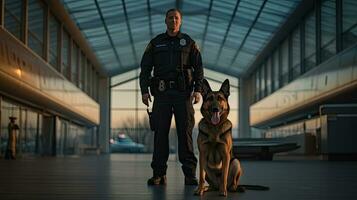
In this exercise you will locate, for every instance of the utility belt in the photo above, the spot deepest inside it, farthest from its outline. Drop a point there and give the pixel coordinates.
(161, 85)
(168, 84)
(158, 85)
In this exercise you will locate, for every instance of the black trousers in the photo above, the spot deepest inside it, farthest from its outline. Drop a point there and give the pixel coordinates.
(181, 107)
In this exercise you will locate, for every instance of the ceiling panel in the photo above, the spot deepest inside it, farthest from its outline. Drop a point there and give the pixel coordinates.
(229, 33)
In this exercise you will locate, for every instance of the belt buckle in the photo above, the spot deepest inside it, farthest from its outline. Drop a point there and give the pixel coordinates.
(172, 84)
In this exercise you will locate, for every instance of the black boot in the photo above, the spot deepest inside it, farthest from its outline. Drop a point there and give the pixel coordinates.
(191, 181)
(157, 180)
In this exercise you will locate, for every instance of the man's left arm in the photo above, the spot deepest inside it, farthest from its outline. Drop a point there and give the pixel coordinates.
(196, 61)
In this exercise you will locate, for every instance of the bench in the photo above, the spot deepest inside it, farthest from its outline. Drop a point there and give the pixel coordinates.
(88, 149)
(261, 149)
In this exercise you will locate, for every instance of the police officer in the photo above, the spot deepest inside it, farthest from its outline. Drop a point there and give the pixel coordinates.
(177, 78)
(11, 142)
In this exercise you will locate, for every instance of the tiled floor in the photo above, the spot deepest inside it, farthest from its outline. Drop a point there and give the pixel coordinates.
(121, 176)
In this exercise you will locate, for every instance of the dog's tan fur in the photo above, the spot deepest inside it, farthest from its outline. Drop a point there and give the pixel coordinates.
(215, 144)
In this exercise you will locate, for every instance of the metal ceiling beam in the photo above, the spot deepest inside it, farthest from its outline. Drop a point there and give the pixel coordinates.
(186, 13)
(246, 36)
(293, 19)
(107, 31)
(179, 4)
(206, 26)
(227, 31)
(150, 21)
(129, 31)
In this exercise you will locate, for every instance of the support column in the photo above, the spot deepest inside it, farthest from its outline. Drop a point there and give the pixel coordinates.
(244, 102)
(25, 23)
(104, 125)
(2, 12)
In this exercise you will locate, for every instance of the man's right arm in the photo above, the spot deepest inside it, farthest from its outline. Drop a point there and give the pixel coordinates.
(145, 73)
(146, 68)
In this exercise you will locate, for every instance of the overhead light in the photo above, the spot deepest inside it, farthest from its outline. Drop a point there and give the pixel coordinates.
(18, 72)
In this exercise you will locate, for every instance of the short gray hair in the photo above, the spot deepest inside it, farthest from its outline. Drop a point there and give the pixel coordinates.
(174, 9)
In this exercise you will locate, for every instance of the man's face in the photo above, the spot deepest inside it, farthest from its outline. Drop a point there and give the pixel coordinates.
(173, 21)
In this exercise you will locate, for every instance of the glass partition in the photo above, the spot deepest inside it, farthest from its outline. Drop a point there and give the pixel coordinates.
(36, 26)
(13, 17)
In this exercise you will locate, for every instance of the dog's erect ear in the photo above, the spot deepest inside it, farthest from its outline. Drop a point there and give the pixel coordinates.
(205, 88)
(225, 88)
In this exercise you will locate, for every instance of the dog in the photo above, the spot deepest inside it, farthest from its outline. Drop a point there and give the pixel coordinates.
(217, 166)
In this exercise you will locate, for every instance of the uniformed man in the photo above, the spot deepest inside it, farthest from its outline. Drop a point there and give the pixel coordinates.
(11, 142)
(177, 78)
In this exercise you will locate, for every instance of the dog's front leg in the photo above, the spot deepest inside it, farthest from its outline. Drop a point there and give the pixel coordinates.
(201, 185)
(224, 177)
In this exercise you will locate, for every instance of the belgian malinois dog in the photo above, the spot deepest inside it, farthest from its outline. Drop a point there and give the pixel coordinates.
(217, 165)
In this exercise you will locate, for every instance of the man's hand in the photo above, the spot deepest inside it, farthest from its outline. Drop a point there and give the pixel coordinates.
(146, 98)
(196, 97)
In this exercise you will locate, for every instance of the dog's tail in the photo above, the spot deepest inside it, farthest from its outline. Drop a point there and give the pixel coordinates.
(242, 188)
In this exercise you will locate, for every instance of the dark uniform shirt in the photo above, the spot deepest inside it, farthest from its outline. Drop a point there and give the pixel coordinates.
(166, 56)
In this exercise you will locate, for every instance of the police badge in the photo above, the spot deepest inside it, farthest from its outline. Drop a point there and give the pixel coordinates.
(162, 86)
(182, 42)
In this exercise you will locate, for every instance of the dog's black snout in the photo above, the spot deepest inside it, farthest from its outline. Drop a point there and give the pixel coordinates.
(215, 109)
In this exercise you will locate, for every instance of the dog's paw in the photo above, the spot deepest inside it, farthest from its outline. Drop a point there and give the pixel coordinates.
(232, 188)
(200, 190)
(240, 189)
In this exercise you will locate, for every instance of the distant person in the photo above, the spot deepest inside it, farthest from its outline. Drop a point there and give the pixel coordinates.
(11, 142)
(176, 63)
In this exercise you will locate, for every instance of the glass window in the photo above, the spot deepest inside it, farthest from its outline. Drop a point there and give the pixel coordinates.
(81, 67)
(284, 53)
(28, 132)
(262, 81)
(53, 46)
(328, 29)
(89, 78)
(70, 137)
(349, 22)
(13, 17)
(74, 64)
(310, 42)
(93, 83)
(296, 57)
(269, 76)
(65, 54)
(257, 85)
(276, 64)
(7, 110)
(95, 86)
(254, 87)
(36, 26)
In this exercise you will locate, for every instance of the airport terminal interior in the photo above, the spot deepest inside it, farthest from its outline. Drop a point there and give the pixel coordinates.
(71, 109)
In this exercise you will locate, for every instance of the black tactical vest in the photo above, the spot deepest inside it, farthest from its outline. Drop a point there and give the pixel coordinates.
(171, 55)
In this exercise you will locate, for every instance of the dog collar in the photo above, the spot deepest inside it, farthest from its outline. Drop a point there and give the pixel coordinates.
(226, 126)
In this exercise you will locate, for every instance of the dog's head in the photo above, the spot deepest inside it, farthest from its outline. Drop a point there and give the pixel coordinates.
(215, 107)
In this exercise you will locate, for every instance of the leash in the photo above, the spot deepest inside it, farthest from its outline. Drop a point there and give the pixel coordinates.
(242, 188)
